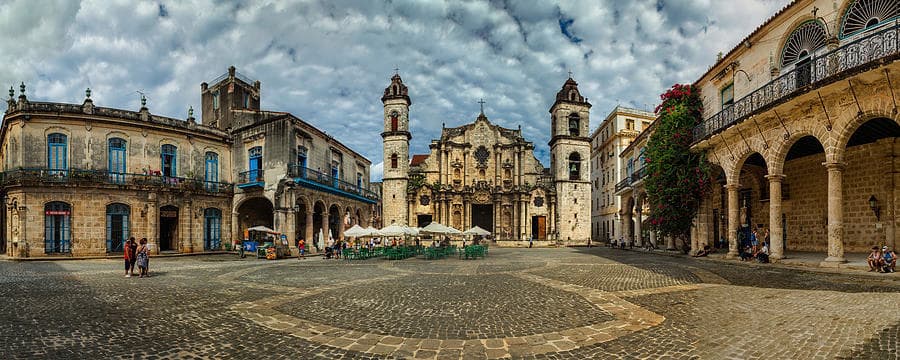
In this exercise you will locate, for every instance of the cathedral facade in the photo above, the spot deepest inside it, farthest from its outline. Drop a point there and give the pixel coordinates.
(482, 174)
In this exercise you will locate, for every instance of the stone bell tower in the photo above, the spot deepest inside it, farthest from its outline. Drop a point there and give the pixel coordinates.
(570, 149)
(396, 138)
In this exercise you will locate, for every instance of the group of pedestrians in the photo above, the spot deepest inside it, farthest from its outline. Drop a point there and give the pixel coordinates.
(137, 254)
(882, 260)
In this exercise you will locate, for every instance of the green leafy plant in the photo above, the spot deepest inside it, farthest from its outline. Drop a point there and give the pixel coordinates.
(677, 179)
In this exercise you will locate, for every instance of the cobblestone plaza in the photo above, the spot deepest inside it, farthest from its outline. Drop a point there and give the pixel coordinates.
(516, 303)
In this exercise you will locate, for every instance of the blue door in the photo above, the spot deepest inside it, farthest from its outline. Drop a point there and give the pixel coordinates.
(116, 166)
(212, 171)
(255, 164)
(168, 160)
(57, 227)
(301, 161)
(57, 159)
(116, 226)
(212, 229)
(334, 175)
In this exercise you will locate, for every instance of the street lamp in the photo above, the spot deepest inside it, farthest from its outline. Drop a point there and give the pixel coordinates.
(873, 204)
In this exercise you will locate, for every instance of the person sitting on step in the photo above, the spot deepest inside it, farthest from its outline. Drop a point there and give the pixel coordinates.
(874, 259)
(888, 259)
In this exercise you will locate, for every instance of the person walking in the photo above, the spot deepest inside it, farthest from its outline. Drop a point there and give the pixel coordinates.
(302, 246)
(129, 257)
(143, 258)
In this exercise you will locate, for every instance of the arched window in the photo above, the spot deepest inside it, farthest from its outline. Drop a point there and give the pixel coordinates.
(116, 163)
(57, 227)
(574, 125)
(211, 173)
(864, 15)
(255, 164)
(212, 229)
(395, 122)
(57, 158)
(393, 161)
(574, 166)
(116, 226)
(168, 160)
(803, 42)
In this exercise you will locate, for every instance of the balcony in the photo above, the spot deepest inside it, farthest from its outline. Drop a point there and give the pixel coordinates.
(848, 59)
(251, 179)
(638, 176)
(320, 181)
(624, 185)
(104, 178)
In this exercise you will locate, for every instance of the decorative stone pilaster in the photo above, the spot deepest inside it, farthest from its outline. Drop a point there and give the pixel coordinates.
(835, 214)
(776, 233)
(733, 215)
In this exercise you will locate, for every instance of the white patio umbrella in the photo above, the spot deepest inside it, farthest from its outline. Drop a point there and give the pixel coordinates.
(476, 230)
(393, 230)
(438, 228)
(356, 231)
(263, 229)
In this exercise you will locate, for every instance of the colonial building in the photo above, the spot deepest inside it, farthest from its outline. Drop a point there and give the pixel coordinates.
(801, 118)
(486, 175)
(632, 194)
(79, 179)
(608, 170)
(311, 182)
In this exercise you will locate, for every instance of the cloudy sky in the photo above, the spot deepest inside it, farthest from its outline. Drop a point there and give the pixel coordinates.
(328, 61)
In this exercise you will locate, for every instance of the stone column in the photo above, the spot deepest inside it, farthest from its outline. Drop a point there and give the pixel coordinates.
(776, 235)
(291, 230)
(835, 213)
(236, 233)
(733, 215)
(639, 241)
(309, 232)
(629, 228)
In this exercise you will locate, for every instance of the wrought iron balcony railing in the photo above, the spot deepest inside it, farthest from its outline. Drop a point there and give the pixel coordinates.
(82, 177)
(638, 175)
(820, 70)
(251, 178)
(624, 184)
(328, 181)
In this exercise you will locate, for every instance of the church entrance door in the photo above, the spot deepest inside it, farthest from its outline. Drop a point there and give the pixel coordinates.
(483, 217)
(423, 220)
(539, 227)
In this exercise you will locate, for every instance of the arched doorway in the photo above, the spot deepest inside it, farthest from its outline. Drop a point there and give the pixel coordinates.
(804, 197)
(868, 185)
(117, 229)
(753, 197)
(334, 222)
(257, 211)
(168, 227)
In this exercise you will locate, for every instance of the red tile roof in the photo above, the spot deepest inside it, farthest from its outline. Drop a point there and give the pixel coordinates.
(418, 159)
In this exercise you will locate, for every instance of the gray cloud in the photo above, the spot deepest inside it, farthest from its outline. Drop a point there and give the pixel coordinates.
(328, 61)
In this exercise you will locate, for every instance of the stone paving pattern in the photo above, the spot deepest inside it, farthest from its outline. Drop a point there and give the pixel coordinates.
(517, 303)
